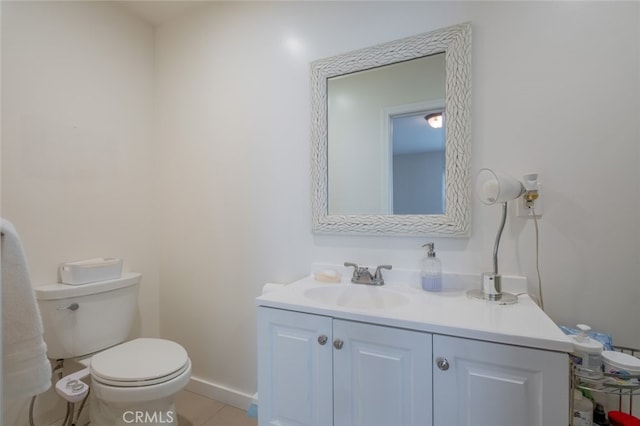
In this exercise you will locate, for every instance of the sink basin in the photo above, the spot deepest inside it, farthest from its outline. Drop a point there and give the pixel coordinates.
(356, 296)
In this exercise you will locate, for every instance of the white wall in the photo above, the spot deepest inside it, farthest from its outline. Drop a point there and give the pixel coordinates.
(235, 180)
(77, 110)
(555, 90)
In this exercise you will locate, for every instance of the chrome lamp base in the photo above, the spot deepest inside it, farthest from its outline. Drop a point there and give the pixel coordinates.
(491, 291)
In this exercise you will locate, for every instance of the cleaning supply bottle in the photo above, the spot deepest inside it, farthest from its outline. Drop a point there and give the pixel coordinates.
(582, 410)
(431, 270)
(599, 416)
(587, 353)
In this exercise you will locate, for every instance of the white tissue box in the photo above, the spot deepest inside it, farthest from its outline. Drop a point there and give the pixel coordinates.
(90, 270)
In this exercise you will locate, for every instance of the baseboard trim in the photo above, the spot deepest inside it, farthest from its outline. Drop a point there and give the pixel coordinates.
(220, 393)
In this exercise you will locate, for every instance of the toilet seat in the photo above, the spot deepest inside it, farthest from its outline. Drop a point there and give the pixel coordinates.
(140, 362)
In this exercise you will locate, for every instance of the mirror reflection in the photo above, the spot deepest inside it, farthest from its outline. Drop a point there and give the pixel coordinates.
(379, 142)
(418, 163)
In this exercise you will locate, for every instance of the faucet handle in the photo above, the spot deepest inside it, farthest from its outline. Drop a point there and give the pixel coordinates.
(361, 274)
(378, 275)
(347, 264)
(357, 270)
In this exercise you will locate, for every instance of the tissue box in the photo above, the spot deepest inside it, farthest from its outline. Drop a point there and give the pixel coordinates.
(90, 270)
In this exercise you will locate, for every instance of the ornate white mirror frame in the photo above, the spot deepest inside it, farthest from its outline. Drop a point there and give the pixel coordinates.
(455, 42)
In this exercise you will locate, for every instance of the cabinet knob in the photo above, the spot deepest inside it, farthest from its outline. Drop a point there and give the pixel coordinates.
(442, 363)
(338, 344)
(322, 339)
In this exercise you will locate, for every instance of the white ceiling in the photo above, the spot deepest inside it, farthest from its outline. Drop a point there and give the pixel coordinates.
(157, 12)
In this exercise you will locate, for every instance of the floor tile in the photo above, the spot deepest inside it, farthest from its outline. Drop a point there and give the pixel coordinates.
(231, 416)
(194, 409)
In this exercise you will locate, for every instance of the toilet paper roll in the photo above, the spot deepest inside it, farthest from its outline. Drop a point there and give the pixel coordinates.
(269, 287)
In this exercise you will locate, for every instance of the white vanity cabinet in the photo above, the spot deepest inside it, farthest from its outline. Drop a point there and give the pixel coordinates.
(478, 383)
(316, 370)
(381, 375)
(320, 370)
(295, 358)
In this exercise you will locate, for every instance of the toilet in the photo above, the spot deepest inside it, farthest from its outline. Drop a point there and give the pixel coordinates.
(132, 381)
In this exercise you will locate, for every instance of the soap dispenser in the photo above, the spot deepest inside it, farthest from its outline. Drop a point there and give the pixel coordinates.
(587, 353)
(431, 273)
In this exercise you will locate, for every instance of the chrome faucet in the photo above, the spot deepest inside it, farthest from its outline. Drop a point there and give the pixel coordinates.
(362, 275)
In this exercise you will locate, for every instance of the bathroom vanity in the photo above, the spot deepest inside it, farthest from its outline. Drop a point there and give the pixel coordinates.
(348, 354)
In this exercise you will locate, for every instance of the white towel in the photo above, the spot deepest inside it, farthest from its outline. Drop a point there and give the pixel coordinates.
(26, 370)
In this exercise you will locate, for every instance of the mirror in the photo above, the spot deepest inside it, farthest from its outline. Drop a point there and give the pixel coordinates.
(378, 168)
(379, 142)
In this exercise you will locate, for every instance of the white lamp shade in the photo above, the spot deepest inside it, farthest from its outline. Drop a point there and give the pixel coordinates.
(494, 187)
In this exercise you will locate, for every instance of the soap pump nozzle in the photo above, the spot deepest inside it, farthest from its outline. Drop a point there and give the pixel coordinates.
(430, 249)
(583, 336)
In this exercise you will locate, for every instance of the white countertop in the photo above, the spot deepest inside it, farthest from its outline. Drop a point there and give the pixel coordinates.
(449, 312)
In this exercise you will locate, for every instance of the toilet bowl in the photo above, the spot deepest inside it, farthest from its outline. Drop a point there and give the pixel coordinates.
(132, 381)
(136, 382)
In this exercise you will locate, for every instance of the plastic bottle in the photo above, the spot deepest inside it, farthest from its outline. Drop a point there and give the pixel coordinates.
(588, 353)
(582, 410)
(599, 416)
(431, 270)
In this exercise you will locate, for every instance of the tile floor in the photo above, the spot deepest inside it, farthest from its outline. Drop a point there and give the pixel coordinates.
(197, 410)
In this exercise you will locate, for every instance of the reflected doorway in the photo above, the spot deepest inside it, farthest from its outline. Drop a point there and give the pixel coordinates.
(417, 164)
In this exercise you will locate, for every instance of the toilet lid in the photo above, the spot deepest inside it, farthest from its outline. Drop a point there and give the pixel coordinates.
(139, 362)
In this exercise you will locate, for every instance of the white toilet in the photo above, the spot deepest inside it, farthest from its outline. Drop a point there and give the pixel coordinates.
(131, 381)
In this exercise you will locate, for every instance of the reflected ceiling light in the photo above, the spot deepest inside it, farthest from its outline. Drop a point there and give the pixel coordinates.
(434, 119)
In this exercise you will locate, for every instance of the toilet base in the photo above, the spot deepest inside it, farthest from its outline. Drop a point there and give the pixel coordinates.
(159, 412)
(150, 405)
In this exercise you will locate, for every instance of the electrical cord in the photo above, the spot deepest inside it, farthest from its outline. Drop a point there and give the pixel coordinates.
(535, 223)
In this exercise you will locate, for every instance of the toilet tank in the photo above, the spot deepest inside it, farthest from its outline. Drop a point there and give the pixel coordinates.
(82, 319)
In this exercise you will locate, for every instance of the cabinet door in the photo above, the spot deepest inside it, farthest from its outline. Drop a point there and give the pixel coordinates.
(382, 376)
(489, 384)
(294, 368)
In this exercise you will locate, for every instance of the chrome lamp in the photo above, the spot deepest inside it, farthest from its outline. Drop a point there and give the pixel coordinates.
(492, 188)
